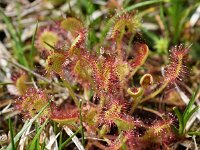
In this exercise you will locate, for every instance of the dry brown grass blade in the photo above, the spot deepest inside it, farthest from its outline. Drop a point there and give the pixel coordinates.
(23, 139)
(52, 142)
(5, 102)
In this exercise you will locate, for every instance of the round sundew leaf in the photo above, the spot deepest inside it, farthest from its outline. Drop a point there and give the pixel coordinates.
(54, 62)
(32, 102)
(73, 25)
(48, 39)
(37, 106)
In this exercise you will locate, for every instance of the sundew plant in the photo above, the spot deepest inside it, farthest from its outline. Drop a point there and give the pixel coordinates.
(76, 93)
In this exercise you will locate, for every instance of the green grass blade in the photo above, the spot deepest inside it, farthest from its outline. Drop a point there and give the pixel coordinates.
(182, 17)
(55, 128)
(180, 117)
(186, 14)
(9, 26)
(144, 3)
(37, 141)
(16, 37)
(188, 108)
(81, 120)
(188, 116)
(126, 3)
(175, 130)
(33, 143)
(43, 145)
(25, 127)
(190, 104)
(166, 30)
(60, 140)
(194, 133)
(11, 134)
(6, 83)
(175, 13)
(150, 34)
(69, 139)
(33, 46)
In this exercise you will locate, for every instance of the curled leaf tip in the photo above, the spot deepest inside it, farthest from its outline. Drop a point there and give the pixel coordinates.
(125, 23)
(146, 80)
(135, 92)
